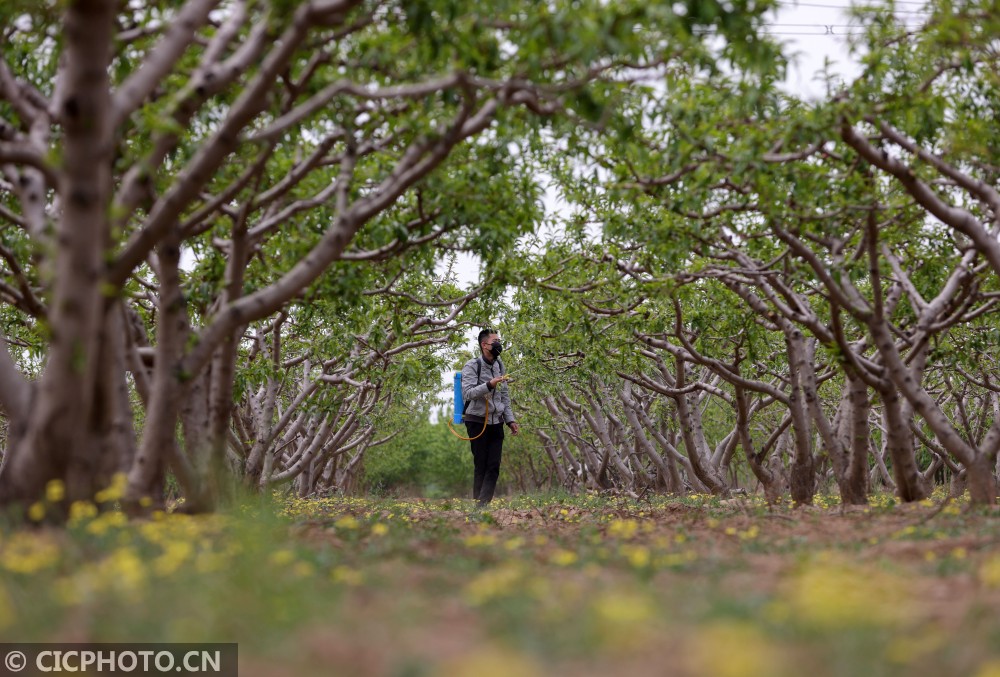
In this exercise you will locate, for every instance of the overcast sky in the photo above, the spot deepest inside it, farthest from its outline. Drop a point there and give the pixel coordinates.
(813, 32)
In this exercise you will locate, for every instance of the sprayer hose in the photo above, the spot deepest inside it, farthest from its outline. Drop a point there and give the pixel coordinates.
(485, 420)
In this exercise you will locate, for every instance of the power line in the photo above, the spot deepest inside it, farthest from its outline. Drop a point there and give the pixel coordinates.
(821, 29)
(791, 3)
(850, 5)
(821, 35)
(834, 29)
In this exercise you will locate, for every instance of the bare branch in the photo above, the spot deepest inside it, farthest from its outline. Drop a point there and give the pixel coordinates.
(210, 78)
(158, 64)
(416, 163)
(328, 93)
(198, 222)
(388, 291)
(23, 154)
(980, 189)
(775, 156)
(30, 303)
(956, 217)
(299, 171)
(26, 100)
(10, 216)
(392, 248)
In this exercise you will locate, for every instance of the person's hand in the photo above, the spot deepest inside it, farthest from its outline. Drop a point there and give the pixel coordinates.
(494, 382)
(514, 427)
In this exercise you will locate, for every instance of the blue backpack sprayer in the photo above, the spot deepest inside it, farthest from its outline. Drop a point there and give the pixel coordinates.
(459, 409)
(461, 406)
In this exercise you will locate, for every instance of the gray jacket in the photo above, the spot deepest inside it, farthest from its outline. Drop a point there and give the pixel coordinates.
(475, 392)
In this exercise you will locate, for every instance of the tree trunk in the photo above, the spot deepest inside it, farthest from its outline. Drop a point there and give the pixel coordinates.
(597, 421)
(62, 439)
(694, 438)
(802, 476)
(834, 443)
(774, 484)
(857, 471)
(550, 449)
(642, 441)
(899, 442)
(159, 433)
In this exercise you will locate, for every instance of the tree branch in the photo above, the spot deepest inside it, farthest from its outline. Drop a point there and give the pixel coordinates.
(158, 64)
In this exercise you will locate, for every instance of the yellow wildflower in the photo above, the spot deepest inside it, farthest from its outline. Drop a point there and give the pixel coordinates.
(623, 528)
(115, 491)
(623, 619)
(81, 510)
(907, 649)
(26, 553)
(495, 583)
(563, 558)
(636, 555)
(989, 572)
(303, 569)
(36, 513)
(55, 491)
(989, 669)
(282, 557)
(757, 655)
(175, 553)
(105, 522)
(123, 570)
(207, 562)
(479, 540)
(491, 662)
(834, 594)
(346, 575)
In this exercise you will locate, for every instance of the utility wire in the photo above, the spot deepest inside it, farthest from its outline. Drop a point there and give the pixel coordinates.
(916, 3)
(791, 3)
(834, 29)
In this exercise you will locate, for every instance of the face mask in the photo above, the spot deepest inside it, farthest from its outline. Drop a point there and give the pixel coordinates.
(496, 348)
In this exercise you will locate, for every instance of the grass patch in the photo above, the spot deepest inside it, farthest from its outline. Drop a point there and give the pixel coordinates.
(581, 585)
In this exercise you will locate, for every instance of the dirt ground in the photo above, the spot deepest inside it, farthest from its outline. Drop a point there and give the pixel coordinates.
(616, 587)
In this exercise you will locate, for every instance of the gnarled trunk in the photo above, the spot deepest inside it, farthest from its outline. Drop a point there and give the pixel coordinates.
(774, 483)
(68, 424)
(802, 475)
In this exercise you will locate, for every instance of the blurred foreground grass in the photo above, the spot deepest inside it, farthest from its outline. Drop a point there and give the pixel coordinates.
(585, 585)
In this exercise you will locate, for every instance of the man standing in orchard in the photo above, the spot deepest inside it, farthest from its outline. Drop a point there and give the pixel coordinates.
(487, 409)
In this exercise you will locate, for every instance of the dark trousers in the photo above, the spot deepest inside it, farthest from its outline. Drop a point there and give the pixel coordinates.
(486, 453)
